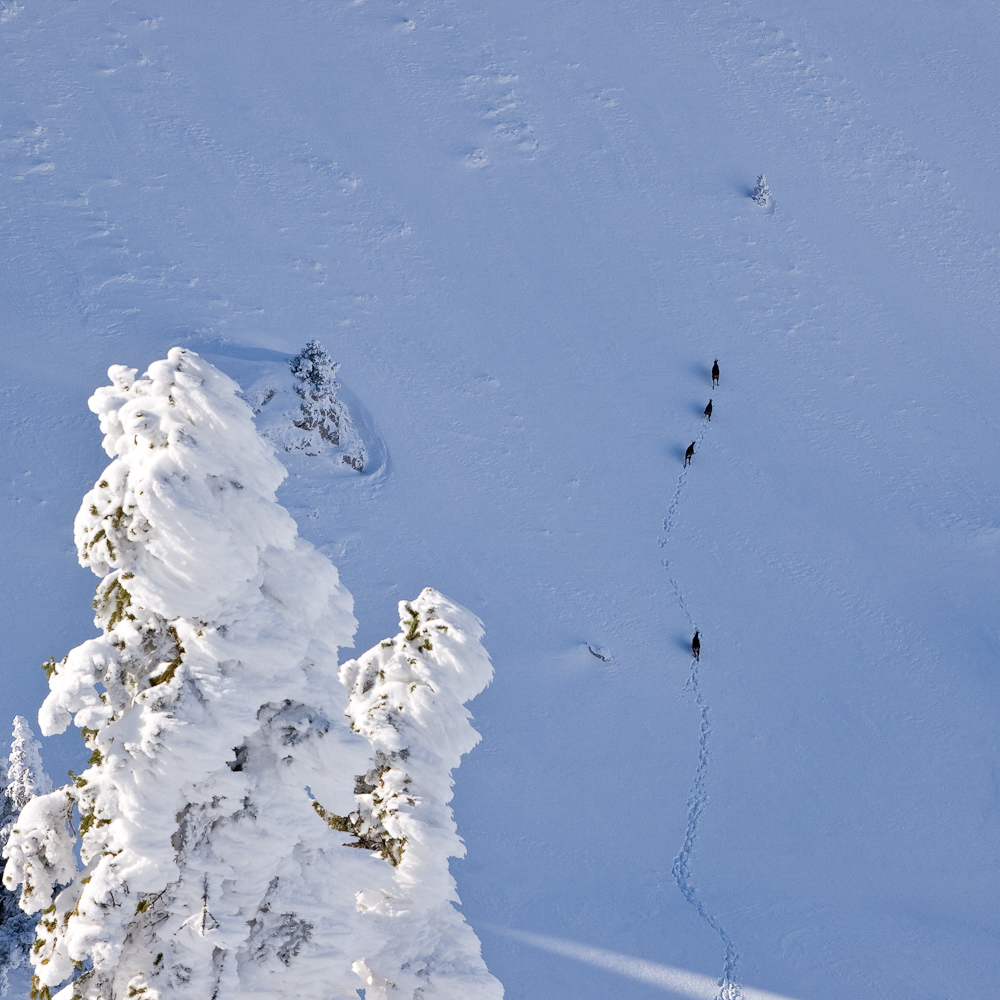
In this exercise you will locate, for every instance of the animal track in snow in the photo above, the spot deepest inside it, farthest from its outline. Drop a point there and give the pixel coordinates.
(493, 88)
(698, 798)
(477, 159)
(697, 801)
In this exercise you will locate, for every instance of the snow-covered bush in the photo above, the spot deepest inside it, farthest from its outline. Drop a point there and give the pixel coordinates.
(21, 779)
(299, 411)
(213, 711)
(761, 193)
(408, 697)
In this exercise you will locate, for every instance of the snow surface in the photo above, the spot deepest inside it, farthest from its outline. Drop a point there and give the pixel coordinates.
(525, 231)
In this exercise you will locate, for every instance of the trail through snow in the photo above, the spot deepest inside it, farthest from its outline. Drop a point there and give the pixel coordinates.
(729, 988)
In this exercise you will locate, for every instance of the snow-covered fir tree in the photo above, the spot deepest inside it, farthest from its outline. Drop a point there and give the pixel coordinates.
(408, 697)
(302, 412)
(213, 711)
(21, 779)
(25, 776)
(761, 193)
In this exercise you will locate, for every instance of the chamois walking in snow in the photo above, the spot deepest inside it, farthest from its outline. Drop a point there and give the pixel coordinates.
(688, 455)
(708, 411)
(715, 373)
(696, 646)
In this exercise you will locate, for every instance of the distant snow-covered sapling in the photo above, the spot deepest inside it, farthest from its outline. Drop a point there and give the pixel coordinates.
(26, 777)
(21, 779)
(322, 414)
(761, 192)
(299, 411)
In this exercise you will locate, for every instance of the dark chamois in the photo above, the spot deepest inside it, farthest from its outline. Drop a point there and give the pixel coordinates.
(688, 455)
(696, 646)
(715, 373)
(708, 411)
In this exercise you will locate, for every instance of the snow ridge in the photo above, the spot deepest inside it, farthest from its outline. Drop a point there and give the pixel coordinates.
(681, 870)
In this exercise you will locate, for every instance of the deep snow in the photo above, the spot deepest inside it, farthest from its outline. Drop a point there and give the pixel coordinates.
(525, 231)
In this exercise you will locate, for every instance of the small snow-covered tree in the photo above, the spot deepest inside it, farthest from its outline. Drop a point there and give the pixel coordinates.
(26, 777)
(323, 415)
(408, 695)
(213, 712)
(302, 413)
(21, 779)
(761, 193)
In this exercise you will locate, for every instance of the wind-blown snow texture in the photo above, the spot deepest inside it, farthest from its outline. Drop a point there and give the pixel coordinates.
(525, 230)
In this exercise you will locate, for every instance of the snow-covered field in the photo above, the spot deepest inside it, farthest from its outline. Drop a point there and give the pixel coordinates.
(525, 231)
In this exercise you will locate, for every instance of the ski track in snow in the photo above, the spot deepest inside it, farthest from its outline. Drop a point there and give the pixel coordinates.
(681, 870)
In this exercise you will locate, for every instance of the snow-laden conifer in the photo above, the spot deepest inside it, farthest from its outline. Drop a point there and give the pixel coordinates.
(301, 412)
(21, 779)
(25, 776)
(212, 709)
(761, 193)
(408, 697)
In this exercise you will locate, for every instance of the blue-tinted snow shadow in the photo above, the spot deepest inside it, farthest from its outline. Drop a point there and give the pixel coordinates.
(377, 465)
(739, 185)
(668, 978)
(676, 452)
(224, 349)
(683, 643)
(701, 371)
